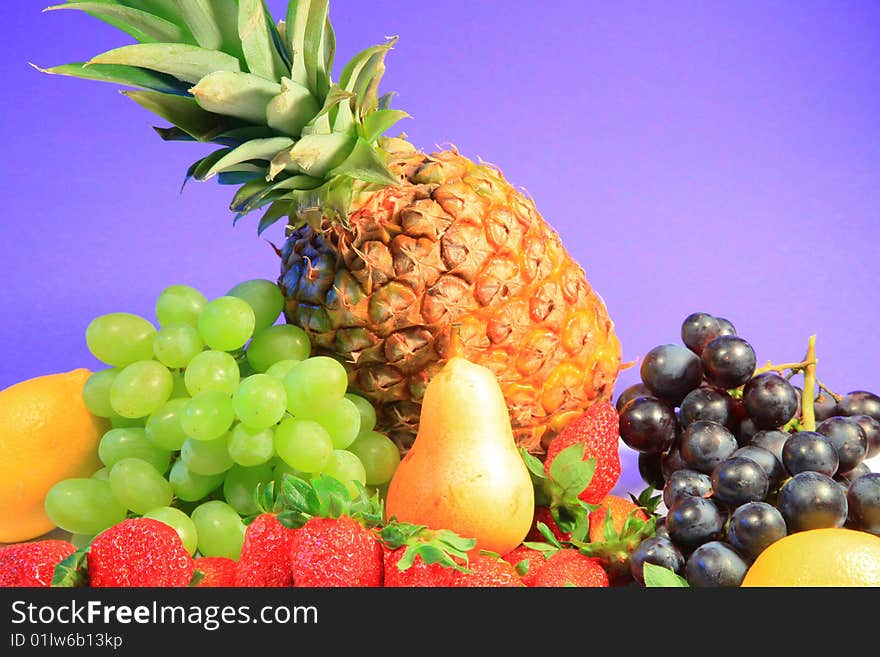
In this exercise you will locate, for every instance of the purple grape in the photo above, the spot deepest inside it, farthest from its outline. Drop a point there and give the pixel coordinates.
(848, 440)
(754, 526)
(727, 327)
(738, 480)
(659, 551)
(698, 329)
(685, 483)
(630, 393)
(705, 444)
(728, 361)
(648, 424)
(871, 427)
(715, 564)
(859, 402)
(863, 498)
(706, 403)
(772, 441)
(650, 469)
(770, 400)
(671, 372)
(745, 430)
(824, 407)
(693, 521)
(671, 462)
(846, 478)
(811, 500)
(767, 460)
(809, 451)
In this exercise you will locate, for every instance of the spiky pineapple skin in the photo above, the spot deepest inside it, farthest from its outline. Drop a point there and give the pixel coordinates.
(454, 247)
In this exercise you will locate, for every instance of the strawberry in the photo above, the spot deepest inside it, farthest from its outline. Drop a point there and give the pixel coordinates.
(620, 509)
(139, 552)
(527, 561)
(417, 574)
(216, 571)
(32, 564)
(545, 514)
(418, 556)
(568, 567)
(335, 552)
(598, 429)
(617, 526)
(487, 569)
(265, 555)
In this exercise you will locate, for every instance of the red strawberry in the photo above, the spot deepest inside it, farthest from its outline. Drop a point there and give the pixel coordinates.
(265, 555)
(545, 515)
(527, 562)
(32, 564)
(139, 552)
(568, 567)
(217, 571)
(335, 552)
(418, 574)
(598, 428)
(620, 509)
(487, 569)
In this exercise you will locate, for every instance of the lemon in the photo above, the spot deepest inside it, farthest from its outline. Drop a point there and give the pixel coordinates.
(818, 557)
(46, 434)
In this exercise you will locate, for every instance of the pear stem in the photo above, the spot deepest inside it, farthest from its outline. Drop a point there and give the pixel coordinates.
(456, 345)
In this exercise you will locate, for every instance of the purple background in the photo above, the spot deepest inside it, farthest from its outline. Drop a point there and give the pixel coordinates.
(715, 156)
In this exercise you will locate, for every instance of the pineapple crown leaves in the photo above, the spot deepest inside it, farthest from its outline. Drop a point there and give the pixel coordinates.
(297, 500)
(221, 71)
(569, 476)
(441, 546)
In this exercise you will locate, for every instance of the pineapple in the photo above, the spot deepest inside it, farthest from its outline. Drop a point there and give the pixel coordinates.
(391, 253)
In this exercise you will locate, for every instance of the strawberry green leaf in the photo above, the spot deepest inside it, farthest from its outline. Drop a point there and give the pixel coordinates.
(658, 576)
(522, 567)
(197, 577)
(571, 471)
(72, 571)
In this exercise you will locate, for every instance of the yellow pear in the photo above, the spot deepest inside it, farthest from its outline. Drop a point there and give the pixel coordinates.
(463, 471)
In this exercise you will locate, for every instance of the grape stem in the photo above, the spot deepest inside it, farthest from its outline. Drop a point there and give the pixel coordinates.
(808, 405)
(830, 392)
(794, 367)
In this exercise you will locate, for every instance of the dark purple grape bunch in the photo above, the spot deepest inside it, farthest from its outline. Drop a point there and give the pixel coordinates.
(726, 445)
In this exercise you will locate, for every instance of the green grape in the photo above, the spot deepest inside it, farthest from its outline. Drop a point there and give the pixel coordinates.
(175, 345)
(102, 473)
(260, 401)
(139, 486)
(347, 468)
(212, 370)
(282, 368)
(140, 388)
(189, 486)
(96, 392)
(303, 444)
(366, 409)
(314, 386)
(208, 415)
(80, 541)
(343, 423)
(276, 343)
(179, 304)
(220, 530)
(118, 444)
(379, 455)
(264, 297)
(226, 323)
(120, 339)
(180, 522)
(83, 506)
(163, 427)
(240, 486)
(119, 422)
(207, 457)
(249, 446)
(178, 389)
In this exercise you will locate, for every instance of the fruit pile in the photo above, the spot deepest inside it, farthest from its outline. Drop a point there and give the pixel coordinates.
(216, 401)
(744, 457)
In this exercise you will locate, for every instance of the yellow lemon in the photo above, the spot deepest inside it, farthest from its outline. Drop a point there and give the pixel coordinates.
(819, 557)
(46, 434)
